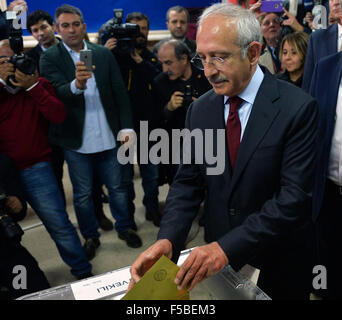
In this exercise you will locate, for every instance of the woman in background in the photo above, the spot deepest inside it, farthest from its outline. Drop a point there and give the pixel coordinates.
(292, 56)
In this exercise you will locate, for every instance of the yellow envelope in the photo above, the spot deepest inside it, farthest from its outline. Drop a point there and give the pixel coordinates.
(158, 283)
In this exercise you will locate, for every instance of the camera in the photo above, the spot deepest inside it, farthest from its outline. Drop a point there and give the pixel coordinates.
(187, 98)
(189, 92)
(20, 60)
(11, 229)
(124, 33)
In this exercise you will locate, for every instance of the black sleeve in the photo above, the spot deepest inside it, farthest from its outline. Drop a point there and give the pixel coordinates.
(10, 183)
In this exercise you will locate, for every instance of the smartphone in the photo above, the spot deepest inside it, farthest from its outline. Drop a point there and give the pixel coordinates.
(271, 6)
(87, 57)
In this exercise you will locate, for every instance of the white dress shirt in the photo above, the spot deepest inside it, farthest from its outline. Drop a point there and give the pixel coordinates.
(248, 96)
(335, 159)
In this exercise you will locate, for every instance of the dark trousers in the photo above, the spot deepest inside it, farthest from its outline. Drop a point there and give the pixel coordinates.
(328, 227)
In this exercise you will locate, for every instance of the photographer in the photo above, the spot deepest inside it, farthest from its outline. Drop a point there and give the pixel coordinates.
(139, 66)
(12, 253)
(175, 89)
(28, 106)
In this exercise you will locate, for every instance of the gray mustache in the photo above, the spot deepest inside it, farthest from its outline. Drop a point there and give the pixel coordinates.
(217, 79)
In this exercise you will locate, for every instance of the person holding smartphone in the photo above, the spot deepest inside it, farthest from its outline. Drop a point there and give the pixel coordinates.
(99, 111)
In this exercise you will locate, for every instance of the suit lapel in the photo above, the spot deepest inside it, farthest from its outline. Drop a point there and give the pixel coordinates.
(262, 116)
(331, 42)
(215, 120)
(67, 61)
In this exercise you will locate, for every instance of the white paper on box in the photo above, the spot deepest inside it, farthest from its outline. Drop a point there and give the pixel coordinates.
(102, 286)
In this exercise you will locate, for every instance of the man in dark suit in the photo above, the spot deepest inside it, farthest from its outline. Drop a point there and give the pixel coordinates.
(327, 196)
(258, 210)
(322, 43)
(40, 25)
(98, 111)
(138, 69)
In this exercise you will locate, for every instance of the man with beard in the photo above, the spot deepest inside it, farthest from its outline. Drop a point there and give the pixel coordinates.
(177, 22)
(138, 70)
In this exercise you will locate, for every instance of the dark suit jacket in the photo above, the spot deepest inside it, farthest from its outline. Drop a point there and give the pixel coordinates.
(324, 87)
(57, 66)
(35, 53)
(259, 212)
(322, 43)
(3, 26)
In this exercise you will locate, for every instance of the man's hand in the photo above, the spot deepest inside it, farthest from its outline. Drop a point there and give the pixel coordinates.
(6, 68)
(309, 19)
(202, 262)
(255, 8)
(23, 80)
(291, 21)
(82, 74)
(127, 137)
(148, 258)
(13, 204)
(176, 101)
(17, 3)
(136, 57)
(111, 43)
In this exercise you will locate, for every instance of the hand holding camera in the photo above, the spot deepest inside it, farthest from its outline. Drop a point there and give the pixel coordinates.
(111, 43)
(23, 80)
(176, 101)
(6, 68)
(11, 229)
(82, 74)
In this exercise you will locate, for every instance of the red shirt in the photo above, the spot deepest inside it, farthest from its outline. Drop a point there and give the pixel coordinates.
(24, 123)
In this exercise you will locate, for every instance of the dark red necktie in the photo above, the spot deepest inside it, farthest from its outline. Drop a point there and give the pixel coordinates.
(233, 129)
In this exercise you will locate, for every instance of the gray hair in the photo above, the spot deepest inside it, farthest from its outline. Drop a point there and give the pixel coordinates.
(66, 8)
(180, 48)
(247, 26)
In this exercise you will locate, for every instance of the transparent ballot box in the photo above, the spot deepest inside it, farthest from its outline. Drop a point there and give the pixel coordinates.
(226, 285)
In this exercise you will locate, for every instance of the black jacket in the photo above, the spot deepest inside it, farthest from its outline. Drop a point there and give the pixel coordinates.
(138, 79)
(3, 27)
(286, 77)
(164, 88)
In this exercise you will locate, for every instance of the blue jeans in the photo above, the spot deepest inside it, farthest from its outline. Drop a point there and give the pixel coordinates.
(108, 169)
(44, 196)
(149, 175)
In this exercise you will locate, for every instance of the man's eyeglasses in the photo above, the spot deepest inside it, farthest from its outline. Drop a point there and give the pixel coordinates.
(216, 62)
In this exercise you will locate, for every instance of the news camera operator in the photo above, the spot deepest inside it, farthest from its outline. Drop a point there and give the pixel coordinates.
(12, 253)
(138, 66)
(175, 89)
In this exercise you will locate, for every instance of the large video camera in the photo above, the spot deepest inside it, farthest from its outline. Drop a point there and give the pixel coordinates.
(10, 228)
(125, 34)
(20, 60)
